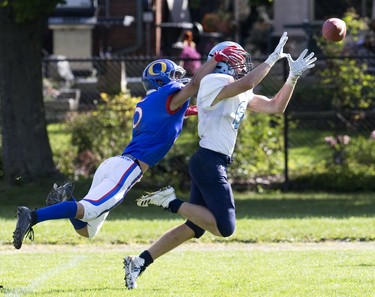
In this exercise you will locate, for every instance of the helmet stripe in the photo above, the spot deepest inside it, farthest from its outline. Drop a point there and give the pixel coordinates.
(163, 67)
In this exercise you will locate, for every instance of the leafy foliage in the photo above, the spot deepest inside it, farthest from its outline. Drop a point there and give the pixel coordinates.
(355, 173)
(26, 10)
(104, 132)
(351, 88)
(259, 147)
(346, 80)
(361, 152)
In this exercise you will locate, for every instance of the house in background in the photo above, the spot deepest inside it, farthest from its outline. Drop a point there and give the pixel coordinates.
(87, 28)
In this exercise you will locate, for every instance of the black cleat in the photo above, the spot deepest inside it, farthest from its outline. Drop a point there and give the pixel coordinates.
(23, 227)
(60, 193)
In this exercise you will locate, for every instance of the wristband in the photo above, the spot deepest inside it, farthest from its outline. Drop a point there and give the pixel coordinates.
(292, 80)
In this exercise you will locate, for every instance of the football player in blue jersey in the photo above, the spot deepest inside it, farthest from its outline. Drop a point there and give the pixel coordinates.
(157, 123)
(222, 100)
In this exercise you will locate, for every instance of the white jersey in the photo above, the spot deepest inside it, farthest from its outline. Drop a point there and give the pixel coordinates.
(218, 124)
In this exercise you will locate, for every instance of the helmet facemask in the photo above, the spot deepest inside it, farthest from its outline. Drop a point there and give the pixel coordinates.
(236, 70)
(160, 73)
(241, 69)
(177, 74)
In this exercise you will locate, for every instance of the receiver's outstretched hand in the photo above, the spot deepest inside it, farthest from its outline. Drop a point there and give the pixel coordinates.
(278, 53)
(300, 65)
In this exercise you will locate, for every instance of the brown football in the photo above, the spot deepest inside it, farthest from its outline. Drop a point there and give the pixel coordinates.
(334, 29)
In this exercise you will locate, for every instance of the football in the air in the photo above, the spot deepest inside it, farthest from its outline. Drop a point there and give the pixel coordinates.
(334, 29)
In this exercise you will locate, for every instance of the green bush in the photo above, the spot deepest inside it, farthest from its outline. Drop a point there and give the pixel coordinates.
(173, 169)
(346, 80)
(259, 148)
(339, 180)
(103, 132)
(355, 173)
(258, 153)
(362, 152)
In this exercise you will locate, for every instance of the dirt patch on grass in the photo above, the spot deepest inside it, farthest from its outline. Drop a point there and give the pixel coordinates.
(194, 246)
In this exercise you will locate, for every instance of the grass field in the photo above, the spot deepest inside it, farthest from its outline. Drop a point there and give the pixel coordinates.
(309, 244)
(193, 270)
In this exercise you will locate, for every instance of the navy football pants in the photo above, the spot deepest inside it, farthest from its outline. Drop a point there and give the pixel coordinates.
(210, 188)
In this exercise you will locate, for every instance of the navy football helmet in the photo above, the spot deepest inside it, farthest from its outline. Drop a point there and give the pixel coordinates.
(160, 72)
(238, 70)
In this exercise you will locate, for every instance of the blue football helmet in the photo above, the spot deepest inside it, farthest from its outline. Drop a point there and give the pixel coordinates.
(238, 70)
(160, 72)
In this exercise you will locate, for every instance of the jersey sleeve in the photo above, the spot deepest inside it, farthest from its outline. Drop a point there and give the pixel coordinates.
(210, 87)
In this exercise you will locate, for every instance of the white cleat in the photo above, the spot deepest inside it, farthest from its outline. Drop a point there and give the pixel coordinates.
(160, 198)
(132, 265)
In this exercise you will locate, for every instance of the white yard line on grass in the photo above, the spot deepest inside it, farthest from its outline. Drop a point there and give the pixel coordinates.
(45, 277)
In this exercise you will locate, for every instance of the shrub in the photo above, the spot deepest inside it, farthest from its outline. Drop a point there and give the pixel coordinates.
(356, 173)
(351, 90)
(361, 152)
(346, 80)
(259, 148)
(102, 133)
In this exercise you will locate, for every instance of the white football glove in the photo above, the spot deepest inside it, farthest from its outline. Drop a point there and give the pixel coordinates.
(278, 52)
(299, 66)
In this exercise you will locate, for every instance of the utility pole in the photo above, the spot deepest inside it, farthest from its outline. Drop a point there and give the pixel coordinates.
(158, 21)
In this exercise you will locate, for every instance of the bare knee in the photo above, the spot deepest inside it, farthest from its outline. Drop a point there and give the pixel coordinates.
(79, 215)
(80, 211)
(83, 232)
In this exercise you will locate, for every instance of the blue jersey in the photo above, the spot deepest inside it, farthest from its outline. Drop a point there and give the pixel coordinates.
(155, 126)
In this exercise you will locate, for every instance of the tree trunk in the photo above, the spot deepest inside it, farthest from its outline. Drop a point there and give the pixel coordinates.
(26, 150)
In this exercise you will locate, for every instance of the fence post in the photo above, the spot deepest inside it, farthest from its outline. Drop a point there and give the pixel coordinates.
(286, 130)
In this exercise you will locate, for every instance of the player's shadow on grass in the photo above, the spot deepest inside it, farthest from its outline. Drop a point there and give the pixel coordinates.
(340, 206)
(293, 208)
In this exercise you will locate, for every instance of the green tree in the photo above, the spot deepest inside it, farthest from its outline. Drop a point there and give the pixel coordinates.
(346, 79)
(26, 152)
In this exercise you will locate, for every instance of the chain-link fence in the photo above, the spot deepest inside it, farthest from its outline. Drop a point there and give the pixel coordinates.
(75, 85)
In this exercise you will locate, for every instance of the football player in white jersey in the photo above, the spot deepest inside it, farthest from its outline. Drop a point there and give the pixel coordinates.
(223, 98)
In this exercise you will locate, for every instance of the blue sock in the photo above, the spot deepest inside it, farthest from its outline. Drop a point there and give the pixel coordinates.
(66, 209)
